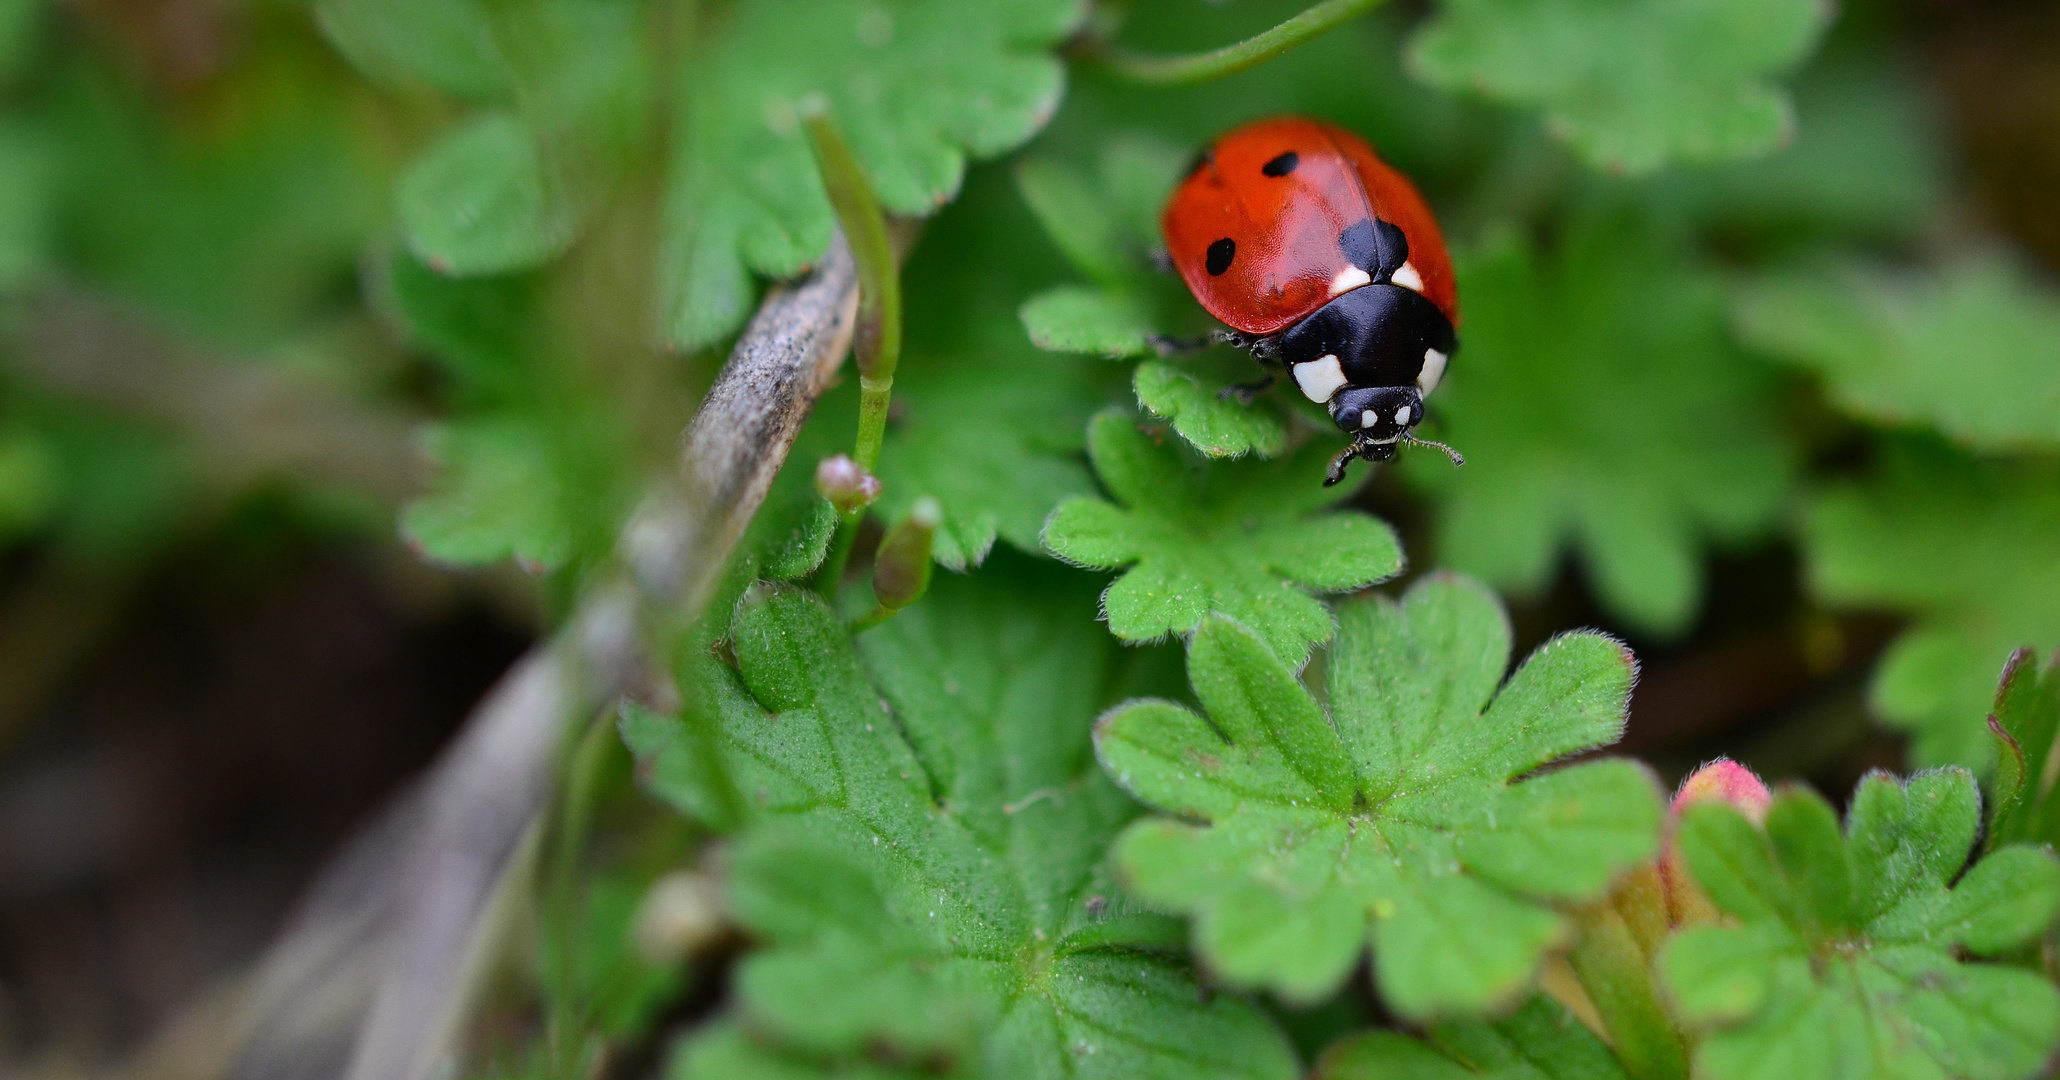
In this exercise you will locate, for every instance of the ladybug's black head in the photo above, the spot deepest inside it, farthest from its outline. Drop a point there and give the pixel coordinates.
(1377, 414)
(1378, 418)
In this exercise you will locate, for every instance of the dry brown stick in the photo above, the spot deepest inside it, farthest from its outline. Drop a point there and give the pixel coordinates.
(423, 920)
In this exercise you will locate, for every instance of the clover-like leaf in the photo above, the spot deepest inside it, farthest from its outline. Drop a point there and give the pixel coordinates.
(1244, 538)
(916, 87)
(1393, 821)
(1974, 353)
(2025, 723)
(497, 497)
(1600, 406)
(448, 44)
(1539, 1041)
(1966, 547)
(481, 200)
(1845, 957)
(1214, 424)
(1867, 161)
(1097, 322)
(925, 859)
(1631, 85)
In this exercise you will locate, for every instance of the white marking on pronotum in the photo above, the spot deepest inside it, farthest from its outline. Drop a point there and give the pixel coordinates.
(1367, 419)
(1351, 277)
(1319, 378)
(1407, 277)
(1433, 370)
(1402, 415)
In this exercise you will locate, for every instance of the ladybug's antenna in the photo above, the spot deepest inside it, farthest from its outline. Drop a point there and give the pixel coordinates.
(1456, 456)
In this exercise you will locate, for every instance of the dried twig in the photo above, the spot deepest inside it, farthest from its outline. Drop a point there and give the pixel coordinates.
(420, 920)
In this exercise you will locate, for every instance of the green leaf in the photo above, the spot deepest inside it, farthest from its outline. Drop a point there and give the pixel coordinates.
(1633, 85)
(925, 864)
(1973, 352)
(1242, 538)
(1394, 821)
(596, 973)
(2025, 722)
(1601, 407)
(916, 86)
(235, 218)
(1540, 1041)
(448, 44)
(723, 1050)
(1862, 979)
(1215, 425)
(1867, 161)
(481, 201)
(1077, 319)
(27, 196)
(497, 497)
(29, 480)
(1966, 548)
(1106, 226)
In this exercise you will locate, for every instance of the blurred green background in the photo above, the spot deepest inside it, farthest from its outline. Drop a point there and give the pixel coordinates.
(311, 417)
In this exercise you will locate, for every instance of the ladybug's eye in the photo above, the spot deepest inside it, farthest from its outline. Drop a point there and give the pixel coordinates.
(1282, 165)
(1220, 254)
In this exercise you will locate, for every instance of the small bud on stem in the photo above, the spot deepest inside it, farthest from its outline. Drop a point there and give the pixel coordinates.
(901, 569)
(848, 488)
(1722, 780)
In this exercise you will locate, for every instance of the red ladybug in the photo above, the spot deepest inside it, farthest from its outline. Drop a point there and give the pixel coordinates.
(1326, 261)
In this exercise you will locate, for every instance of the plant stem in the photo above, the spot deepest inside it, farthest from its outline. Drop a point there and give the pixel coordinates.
(1316, 21)
(1613, 959)
(832, 570)
(876, 342)
(568, 1038)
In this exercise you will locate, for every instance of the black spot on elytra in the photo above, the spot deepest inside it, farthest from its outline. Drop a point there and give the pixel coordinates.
(1359, 245)
(1374, 246)
(1220, 254)
(1282, 165)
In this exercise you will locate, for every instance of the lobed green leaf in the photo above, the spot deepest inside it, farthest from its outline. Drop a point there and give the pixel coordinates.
(1965, 547)
(1843, 962)
(917, 87)
(1385, 824)
(1631, 86)
(1539, 1041)
(1240, 538)
(1973, 352)
(924, 859)
(1601, 408)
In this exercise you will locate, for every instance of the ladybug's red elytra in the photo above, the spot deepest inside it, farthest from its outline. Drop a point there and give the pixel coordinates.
(1326, 261)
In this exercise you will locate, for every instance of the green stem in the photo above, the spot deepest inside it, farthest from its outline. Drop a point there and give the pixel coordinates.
(880, 613)
(832, 570)
(1317, 20)
(1613, 959)
(876, 341)
(568, 1038)
(875, 393)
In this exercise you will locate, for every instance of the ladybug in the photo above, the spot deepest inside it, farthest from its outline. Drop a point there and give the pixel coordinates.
(1326, 262)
